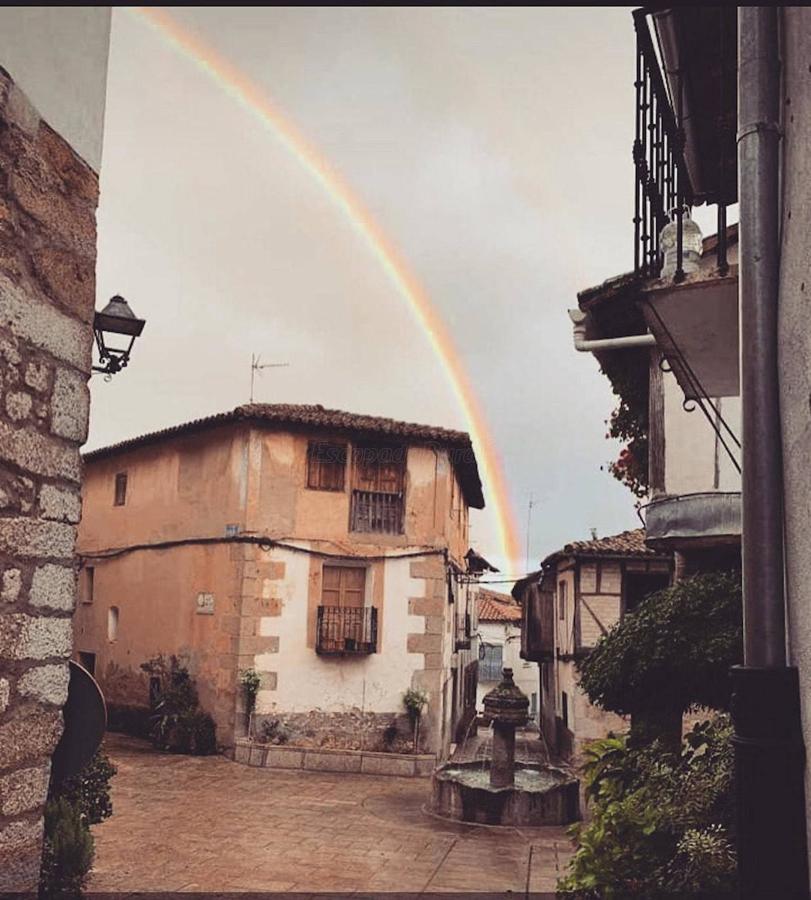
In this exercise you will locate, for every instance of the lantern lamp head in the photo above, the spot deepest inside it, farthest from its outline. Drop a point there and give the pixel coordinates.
(115, 319)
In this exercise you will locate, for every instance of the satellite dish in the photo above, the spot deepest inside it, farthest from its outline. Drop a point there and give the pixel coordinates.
(85, 717)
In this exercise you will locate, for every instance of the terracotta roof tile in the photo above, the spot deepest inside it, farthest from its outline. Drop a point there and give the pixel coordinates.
(319, 418)
(495, 607)
(626, 543)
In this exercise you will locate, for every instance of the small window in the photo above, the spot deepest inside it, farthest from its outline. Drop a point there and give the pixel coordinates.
(112, 623)
(562, 600)
(564, 708)
(326, 466)
(88, 586)
(120, 489)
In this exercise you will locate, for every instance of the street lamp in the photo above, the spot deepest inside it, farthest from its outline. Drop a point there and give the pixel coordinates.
(115, 318)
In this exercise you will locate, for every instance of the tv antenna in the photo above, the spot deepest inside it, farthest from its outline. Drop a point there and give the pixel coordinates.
(257, 366)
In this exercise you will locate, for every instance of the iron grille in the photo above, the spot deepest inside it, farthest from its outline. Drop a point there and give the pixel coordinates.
(374, 511)
(662, 182)
(662, 185)
(346, 629)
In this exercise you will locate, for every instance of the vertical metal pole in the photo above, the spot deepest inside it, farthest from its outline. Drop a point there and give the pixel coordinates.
(769, 755)
(679, 273)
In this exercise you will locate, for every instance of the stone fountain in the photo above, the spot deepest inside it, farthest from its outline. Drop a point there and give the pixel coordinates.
(500, 791)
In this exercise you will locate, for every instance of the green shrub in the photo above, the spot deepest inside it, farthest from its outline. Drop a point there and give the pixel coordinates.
(672, 654)
(73, 806)
(251, 682)
(67, 854)
(273, 731)
(661, 822)
(178, 723)
(89, 791)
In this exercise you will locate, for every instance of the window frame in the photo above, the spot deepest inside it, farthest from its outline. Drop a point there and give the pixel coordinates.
(120, 490)
(317, 467)
(88, 592)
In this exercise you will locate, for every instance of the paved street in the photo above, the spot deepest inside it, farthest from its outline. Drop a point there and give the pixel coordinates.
(207, 824)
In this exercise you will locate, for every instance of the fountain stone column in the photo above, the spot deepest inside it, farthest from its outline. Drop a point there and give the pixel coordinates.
(506, 706)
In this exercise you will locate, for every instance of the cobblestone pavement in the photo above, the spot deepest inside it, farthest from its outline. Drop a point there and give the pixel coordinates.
(208, 824)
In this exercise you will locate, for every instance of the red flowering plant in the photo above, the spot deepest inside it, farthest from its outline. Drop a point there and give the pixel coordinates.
(629, 424)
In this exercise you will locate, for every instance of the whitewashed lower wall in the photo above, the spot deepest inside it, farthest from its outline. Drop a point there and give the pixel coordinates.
(306, 681)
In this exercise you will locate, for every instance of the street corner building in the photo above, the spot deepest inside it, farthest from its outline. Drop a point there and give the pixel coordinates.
(53, 65)
(579, 593)
(321, 549)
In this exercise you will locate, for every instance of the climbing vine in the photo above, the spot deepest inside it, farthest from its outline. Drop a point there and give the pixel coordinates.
(629, 423)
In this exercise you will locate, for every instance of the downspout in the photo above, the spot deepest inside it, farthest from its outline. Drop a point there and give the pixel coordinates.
(579, 318)
(769, 753)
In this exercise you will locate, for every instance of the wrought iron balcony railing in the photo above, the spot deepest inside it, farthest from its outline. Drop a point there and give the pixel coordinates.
(464, 634)
(346, 630)
(373, 511)
(663, 187)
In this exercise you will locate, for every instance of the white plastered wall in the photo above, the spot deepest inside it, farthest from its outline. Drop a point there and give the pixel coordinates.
(695, 460)
(307, 681)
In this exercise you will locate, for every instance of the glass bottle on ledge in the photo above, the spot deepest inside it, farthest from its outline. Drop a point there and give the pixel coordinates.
(692, 244)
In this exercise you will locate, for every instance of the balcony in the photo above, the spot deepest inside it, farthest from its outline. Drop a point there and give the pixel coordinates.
(465, 633)
(346, 630)
(684, 150)
(376, 512)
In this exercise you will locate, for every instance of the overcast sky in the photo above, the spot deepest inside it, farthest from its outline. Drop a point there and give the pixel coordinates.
(493, 146)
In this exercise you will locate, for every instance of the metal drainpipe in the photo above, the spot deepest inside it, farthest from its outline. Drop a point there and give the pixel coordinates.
(769, 754)
(578, 318)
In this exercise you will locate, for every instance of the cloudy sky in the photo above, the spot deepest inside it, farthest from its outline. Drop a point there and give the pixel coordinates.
(493, 146)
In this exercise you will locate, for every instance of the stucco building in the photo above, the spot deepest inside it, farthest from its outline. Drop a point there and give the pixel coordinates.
(322, 549)
(53, 68)
(499, 629)
(580, 592)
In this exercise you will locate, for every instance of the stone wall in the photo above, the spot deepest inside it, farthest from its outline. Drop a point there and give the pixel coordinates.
(354, 729)
(433, 607)
(48, 197)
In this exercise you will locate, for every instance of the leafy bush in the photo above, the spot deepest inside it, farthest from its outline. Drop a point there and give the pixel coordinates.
(673, 653)
(73, 806)
(134, 720)
(414, 700)
(67, 853)
(629, 420)
(273, 731)
(660, 822)
(178, 723)
(89, 791)
(250, 681)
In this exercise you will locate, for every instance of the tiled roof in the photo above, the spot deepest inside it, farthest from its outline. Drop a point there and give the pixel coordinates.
(317, 418)
(495, 607)
(626, 543)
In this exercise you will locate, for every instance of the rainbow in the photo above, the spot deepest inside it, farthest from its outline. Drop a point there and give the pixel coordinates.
(256, 102)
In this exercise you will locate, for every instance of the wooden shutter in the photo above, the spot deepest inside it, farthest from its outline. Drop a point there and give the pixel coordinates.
(326, 466)
(343, 586)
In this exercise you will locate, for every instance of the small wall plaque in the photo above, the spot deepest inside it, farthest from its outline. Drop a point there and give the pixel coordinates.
(205, 604)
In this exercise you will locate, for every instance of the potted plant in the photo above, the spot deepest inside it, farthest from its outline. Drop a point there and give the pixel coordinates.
(415, 700)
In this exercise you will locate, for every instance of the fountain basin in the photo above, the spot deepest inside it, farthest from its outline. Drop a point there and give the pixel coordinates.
(541, 795)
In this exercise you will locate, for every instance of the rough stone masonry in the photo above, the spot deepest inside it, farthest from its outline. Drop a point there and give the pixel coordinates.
(48, 199)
